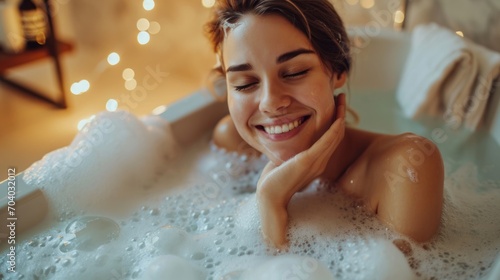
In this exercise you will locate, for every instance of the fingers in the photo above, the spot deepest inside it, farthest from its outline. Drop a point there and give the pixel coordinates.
(327, 144)
(340, 102)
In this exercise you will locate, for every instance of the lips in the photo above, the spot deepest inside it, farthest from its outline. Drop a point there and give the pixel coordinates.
(282, 128)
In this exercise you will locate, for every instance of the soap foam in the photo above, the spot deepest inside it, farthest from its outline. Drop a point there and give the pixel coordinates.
(195, 217)
(113, 159)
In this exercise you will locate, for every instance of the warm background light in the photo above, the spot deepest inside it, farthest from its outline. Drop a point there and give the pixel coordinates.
(159, 110)
(80, 87)
(143, 37)
(113, 58)
(128, 74)
(154, 27)
(130, 84)
(399, 17)
(148, 5)
(111, 105)
(208, 3)
(142, 24)
(367, 4)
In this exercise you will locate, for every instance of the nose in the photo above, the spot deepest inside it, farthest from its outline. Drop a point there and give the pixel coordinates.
(274, 99)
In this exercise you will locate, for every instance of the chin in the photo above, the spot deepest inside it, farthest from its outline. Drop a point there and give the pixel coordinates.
(279, 157)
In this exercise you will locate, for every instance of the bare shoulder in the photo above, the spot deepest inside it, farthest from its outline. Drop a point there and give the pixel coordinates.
(408, 158)
(410, 175)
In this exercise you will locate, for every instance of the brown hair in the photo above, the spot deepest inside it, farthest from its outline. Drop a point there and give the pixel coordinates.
(317, 19)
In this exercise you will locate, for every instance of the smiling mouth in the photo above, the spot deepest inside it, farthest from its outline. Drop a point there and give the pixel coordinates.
(287, 127)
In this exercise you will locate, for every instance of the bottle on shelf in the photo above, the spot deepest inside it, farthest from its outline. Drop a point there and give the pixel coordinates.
(34, 23)
(11, 31)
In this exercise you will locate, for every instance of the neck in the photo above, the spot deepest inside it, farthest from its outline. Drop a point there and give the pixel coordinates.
(342, 158)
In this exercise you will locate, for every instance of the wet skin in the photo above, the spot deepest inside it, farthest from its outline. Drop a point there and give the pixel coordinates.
(281, 102)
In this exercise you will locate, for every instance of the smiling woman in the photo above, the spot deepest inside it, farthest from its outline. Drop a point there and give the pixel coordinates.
(282, 61)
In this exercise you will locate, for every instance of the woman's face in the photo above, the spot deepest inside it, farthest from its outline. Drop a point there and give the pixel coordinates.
(280, 95)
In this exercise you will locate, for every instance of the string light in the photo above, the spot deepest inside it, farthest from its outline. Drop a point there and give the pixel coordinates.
(142, 24)
(128, 74)
(111, 105)
(159, 110)
(208, 3)
(367, 4)
(113, 58)
(145, 28)
(148, 5)
(154, 27)
(399, 17)
(143, 37)
(130, 84)
(80, 87)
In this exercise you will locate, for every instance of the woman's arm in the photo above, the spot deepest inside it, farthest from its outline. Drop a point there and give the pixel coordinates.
(412, 197)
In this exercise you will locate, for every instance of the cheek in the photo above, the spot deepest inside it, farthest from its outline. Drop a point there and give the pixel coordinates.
(321, 100)
(239, 113)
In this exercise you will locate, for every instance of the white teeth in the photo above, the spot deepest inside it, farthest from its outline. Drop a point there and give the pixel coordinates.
(278, 129)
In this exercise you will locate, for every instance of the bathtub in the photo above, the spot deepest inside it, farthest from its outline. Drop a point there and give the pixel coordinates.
(370, 90)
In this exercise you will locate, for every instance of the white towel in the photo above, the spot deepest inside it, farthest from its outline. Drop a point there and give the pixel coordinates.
(446, 75)
(489, 72)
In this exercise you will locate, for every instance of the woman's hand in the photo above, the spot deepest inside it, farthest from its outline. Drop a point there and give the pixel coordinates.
(278, 184)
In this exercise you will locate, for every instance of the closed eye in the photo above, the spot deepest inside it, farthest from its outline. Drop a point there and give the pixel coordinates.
(244, 87)
(296, 74)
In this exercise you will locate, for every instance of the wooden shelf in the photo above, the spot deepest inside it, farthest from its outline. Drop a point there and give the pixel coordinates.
(8, 61)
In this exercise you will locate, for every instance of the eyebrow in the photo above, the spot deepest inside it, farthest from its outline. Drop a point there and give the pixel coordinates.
(289, 55)
(282, 58)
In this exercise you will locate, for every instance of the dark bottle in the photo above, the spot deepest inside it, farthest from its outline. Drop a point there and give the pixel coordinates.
(34, 24)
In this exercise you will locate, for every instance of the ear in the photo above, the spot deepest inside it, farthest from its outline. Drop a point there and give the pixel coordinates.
(340, 80)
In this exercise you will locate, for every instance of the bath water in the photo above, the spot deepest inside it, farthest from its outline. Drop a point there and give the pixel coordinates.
(125, 205)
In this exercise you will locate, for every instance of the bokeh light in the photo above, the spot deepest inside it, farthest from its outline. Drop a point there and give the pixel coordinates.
(148, 5)
(399, 17)
(159, 110)
(367, 4)
(130, 84)
(154, 27)
(128, 74)
(80, 87)
(208, 3)
(111, 105)
(113, 58)
(142, 24)
(143, 37)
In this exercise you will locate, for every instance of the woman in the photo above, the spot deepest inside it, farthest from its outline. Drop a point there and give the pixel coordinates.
(282, 61)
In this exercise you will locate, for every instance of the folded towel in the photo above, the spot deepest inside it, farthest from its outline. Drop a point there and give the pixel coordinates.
(489, 72)
(446, 75)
